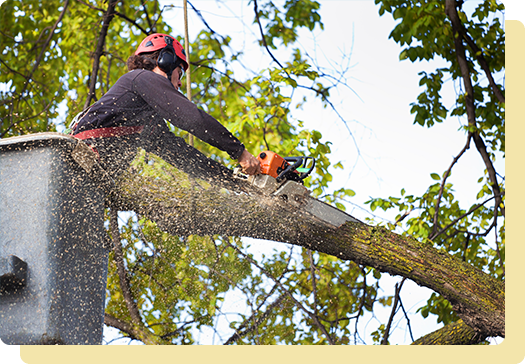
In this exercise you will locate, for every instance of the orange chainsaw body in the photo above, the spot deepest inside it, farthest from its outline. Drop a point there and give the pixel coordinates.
(272, 163)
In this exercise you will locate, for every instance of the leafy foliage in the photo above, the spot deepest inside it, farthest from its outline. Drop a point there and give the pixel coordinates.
(180, 284)
(427, 34)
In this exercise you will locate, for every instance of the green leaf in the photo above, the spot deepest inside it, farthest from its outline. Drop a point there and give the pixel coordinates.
(435, 176)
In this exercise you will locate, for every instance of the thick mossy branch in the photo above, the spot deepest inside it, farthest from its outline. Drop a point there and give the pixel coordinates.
(477, 298)
(182, 205)
(455, 333)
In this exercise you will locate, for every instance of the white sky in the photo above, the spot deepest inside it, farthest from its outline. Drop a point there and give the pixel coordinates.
(395, 153)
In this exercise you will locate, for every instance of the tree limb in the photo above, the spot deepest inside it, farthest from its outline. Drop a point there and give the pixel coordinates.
(108, 16)
(134, 332)
(131, 21)
(150, 24)
(456, 333)
(314, 318)
(440, 195)
(120, 15)
(123, 277)
(256, 320)
(256, 10)
(451, 11)
(121, 325)
(393, 312)
(477, 298)
(483, 63)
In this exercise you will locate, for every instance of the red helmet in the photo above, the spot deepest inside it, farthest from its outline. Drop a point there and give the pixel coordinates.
(158, 41)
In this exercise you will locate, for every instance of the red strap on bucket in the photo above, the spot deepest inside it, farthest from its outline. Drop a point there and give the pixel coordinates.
(109, 132)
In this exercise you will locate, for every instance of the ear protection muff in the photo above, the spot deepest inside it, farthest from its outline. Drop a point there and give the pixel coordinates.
(168, 60)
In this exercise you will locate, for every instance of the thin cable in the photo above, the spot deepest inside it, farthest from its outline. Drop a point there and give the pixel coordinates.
(188, 73)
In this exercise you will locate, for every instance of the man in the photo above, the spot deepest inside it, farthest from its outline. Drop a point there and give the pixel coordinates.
(133, 113)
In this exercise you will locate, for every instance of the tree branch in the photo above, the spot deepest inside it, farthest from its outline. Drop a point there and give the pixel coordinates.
(199, 14)
(361, 305)
(408, 320)
(451, 11)
(121, 325)
(465, 215)
(180, 329)
(456, 333)
(108, 16)
(244, 324)
(314, 318)
(314, 283)
(123, 277)
(447, 173)
(45, 109)
(477, 298)
(37, 63)
(46, 44)
(131, 21)
(120, 15)
(255, 9)
(256, 320)
(134, 332)
(484, 65)
(150, 24)
(393, 312)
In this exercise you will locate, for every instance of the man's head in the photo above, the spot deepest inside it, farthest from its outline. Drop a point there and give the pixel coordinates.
(159, 50)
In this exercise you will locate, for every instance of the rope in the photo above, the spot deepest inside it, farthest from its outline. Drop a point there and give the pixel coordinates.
(188, 73)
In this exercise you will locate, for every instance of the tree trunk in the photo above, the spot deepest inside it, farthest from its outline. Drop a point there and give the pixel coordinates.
(182, 205)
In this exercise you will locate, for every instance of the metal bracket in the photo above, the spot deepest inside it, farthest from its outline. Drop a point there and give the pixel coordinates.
(87, 159)
(13, 273)
(84, 156)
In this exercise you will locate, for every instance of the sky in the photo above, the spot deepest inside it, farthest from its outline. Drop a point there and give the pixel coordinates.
(380, 148)
(385, 152)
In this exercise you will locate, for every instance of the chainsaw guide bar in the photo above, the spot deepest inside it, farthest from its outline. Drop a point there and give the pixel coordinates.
(285, 182)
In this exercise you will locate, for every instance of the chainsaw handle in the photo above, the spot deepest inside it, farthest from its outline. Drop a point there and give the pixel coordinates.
(304, 162)
(291, 168)
(297, 163)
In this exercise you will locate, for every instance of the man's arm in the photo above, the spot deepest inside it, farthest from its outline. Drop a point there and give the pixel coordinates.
(170, 104)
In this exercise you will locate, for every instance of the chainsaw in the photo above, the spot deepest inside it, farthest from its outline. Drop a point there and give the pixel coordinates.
(283, 177)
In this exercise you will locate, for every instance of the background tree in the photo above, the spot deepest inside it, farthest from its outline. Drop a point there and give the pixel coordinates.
(472, 50)
(164, 288)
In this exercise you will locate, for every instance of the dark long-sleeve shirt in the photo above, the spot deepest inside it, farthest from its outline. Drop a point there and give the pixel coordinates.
(141, 95)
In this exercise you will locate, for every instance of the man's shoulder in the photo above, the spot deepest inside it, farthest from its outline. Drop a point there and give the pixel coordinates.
(145, 78)
(135, 74)
(142, 73)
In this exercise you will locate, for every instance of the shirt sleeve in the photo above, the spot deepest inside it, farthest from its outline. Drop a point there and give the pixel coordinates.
(174, 107)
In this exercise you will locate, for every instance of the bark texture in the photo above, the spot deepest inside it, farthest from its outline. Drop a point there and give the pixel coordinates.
(455, 333)
(182, 205)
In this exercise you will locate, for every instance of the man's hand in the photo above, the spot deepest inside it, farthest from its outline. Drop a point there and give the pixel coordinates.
(250, 165)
